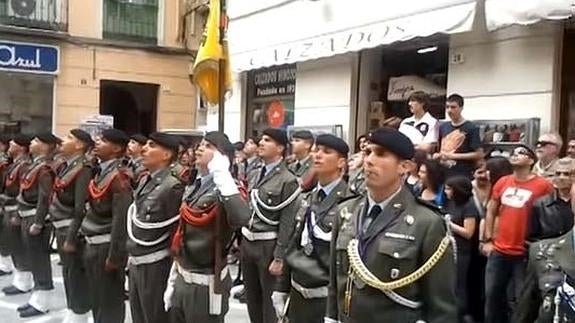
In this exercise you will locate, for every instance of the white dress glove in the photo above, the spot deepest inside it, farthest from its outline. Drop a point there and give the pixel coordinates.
(279, 300)
(169, 292)
(219, 168)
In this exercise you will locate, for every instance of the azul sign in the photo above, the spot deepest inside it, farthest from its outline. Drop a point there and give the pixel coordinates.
(29, 58)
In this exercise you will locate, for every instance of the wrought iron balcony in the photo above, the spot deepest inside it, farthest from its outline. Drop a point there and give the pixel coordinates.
(36, 14)
(131, 20)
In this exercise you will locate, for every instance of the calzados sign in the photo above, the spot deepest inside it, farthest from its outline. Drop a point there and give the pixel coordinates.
(29, 58)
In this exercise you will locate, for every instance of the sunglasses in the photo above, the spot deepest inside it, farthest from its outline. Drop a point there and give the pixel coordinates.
(545, 143)
(522, 151)
(559, 173)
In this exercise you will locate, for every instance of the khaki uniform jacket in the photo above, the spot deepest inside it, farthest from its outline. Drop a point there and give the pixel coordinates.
(311, 269)
(551, 261)
(277, 186)
(106, 214)
(400, 240)
(71, 194)
(157, 199)
(36, 188)
(357, 182)
(198, 252)
(304, 169)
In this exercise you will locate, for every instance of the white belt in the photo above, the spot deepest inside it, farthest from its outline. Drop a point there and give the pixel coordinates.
(200, 279)
(98, 239)
(255, 236)
(11, 208)
(318, 292)
(62, 223)
(149, 258)
(27, 213)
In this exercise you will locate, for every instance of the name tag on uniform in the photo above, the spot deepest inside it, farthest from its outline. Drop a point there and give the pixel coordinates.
(399, 236)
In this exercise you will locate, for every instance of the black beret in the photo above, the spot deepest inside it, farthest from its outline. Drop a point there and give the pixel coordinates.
(48, 138)
(165, 140)
(221, 141)
(278, 135)
(5, 139)
(139, 138)
(393, 141)
(22, 140)
(83, 136)
(115, 136)
(332, 142)
(303, 134)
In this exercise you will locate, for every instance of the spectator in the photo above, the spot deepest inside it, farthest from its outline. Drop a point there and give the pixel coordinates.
(548, 149)
(432, 177)
(361, 144)
(571, 149)
(412, 180)
(486, 175)
(464, 218)
(551, 215)
(459, 141)
(392, 122)
(511, 201)
(421, 127)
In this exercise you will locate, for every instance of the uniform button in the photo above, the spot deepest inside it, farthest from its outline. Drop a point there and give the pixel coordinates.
(547, 285)
(396, 255)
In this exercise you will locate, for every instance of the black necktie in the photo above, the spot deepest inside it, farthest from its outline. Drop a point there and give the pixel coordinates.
(262, 174)
(321, 195)
(297, 166)
(370, 217)
(197, 186)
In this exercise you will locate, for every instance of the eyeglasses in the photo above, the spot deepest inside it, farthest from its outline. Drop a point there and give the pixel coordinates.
(545, 143)
(522, 151)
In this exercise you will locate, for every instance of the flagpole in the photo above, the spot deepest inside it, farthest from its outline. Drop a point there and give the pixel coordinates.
(222, 68)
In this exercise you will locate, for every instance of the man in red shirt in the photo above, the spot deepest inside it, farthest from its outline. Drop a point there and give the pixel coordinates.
(511, 201)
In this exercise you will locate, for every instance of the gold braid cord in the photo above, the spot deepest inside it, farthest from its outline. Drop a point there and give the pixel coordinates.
(362, 272)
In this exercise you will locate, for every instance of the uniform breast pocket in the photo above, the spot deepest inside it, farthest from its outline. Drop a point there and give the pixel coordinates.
(397, 251)
(271, 197)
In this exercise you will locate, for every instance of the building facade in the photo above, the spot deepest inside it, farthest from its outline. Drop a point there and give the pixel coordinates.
(509, 62)
(63, 62)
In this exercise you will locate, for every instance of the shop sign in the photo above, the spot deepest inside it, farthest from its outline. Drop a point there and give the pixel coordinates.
(273, 81)
(29, 58)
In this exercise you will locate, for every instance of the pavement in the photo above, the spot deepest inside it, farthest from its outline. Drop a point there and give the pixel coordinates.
(8, 304)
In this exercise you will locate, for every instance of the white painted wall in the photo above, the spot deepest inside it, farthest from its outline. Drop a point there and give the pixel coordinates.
(510, 73)
(323, 92)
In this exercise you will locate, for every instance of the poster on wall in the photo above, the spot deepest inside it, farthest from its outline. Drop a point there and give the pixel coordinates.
(96, 123)
(276, 113)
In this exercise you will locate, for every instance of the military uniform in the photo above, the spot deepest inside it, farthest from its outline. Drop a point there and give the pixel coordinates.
(548, 294)
(397, 243)
(67, 210)
(5, 261)
(136, 170)
(181, 172)
(33, 200)
(151, 220)
(308, 254)
(301, 168)
(207, 223)
(22, 281)
(250, 165)
(357, 182)
(104, 227)
(274, 202)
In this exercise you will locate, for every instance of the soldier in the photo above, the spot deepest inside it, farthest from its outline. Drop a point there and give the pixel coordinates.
(151, 222)
(390, 254)
(104, 227)
(179, 169)
(33, 200)
(308, 253)
(6, 265)
(252, 161)
(356, 177)
(301, 144)
(134, 152)
(22, 281)
(273, 197)
(212, 210)
(547, 296)
(67, 210)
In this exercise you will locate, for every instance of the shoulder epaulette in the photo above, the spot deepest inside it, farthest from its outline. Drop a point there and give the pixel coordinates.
(429, 205)
(348, 198)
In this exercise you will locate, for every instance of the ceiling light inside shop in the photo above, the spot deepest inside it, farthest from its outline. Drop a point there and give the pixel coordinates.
(427, 50)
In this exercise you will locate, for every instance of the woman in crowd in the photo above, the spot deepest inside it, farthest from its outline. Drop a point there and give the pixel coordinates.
(412, 180)
(432, 176)
(464, 218)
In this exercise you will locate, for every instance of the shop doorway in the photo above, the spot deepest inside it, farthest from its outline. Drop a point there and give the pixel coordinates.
(133, 105)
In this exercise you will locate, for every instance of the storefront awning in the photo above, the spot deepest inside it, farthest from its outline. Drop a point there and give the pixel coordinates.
(289, 31)
(502, 13)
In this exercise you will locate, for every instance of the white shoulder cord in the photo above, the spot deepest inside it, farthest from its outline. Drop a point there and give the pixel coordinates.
(447, 219)
(132, 217)
(256, 202)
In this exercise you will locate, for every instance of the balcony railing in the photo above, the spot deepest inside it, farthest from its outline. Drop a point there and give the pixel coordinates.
(36, 14)
(131, 20)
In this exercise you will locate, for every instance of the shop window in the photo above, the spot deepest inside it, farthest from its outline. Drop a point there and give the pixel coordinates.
(25, 103)
(131, 20)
